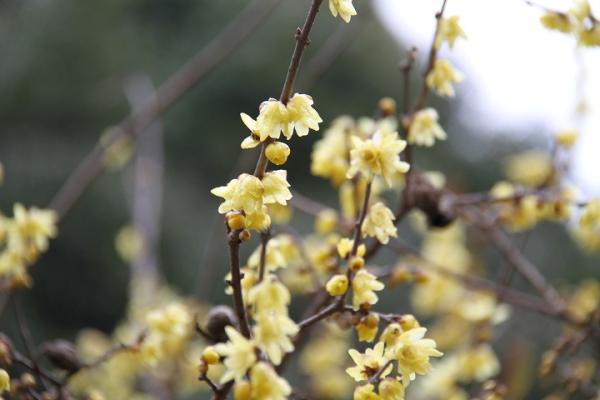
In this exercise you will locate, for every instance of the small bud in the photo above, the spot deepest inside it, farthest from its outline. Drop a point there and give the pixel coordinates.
(242, 390)
(63, 355)
(210, 356)
(235, 220)
(27, 380)
(277, 152)
(337, 285)
(421, 277)
(367, 327)
(387, 106)
(566, 138)
(245, 235)
(5, 353)
(408, 322)
(356, 263)
(401, 274)
(371, 320)
(4, 381)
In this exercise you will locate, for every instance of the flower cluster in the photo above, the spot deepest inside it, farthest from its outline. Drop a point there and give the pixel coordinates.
(22, 239)
(578, 21)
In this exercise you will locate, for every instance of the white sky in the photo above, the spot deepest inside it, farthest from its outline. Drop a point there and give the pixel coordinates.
(518, 73)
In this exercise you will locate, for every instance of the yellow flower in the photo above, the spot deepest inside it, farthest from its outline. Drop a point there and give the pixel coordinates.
(365, 392)
(254, 139)
(364, 286)
(478, 363)
(449, 31)
(276, 187)
(344, 8)
(240, 355)
(368, 364)
(367, 328)
(413, 353)
(424, 128)
(277, 153)
(259, 220)
(267, 385)
(531, 168)
(590, 37)
(380, 223)
(4, 381)
(330, 154)
(301, 115)
(557, 21)
(242, 391)
(326, 221)
(566, 138)
(337, 285)
(378, 155)
(271, 121)
(272, 334)
(391, 389)
(244, 193)
(441, 77)
(280, 214)
(269, 296)
(129, 243)
(281, 252)
(585, 299)
(34, 226)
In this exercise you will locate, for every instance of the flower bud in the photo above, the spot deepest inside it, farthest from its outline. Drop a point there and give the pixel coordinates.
(210, 356)
(337, 285)
(277, 152)
(387, 106)
(326, 221)
(408, 322)
(245, 235)
(235, 220)
(356, 263)
(242, 391)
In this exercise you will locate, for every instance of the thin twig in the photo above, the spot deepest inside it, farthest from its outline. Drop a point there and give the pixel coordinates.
(236, 282)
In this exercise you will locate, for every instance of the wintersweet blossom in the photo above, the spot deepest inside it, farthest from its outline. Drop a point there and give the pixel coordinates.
(413, 353)
(365, 392)
(276, 187)
(270, 295)
(391, 389)
(378, 155)
(449, 31)
(424, 128)
(337, 285)
(442, 76)
(368, 363)
(239, 353)
(344, 8)
(244, 193)
(33, 227)
(302, 117)
(364, 286)
(267, 385)
(272, 334)
(380, 223)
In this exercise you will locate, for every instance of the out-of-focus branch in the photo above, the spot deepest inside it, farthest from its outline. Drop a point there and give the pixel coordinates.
(180, 83)
(147, 185)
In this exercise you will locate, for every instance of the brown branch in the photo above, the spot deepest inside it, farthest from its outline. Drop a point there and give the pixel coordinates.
(324, 313)
(375, 378)
(264, 241)
(236, 282)
(177, 85)
(302, 40)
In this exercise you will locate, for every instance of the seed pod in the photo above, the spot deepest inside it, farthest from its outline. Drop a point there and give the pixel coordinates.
(63, 355)
(218, 318)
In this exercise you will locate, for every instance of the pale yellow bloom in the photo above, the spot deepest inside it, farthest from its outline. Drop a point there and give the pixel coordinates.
(378, 155)
(337, 285)
(281, 252)
(442, 76)
(478, 363)
(391, 389)
(367, 328)
(379, 223)
(272, 334)
(531, 168)
(364, 286)
(34, 226)
(254, 139)
(590, 218)
(267, 385)
(413, 353)
(129, 243)
(585, 299)
(270, 295)
(344, 247)
(326, 221)
(276, 187)
(365, 392)
(301, 115)
(329, 158)
(590, 37)
(368, 363)
(344, 8)
(449, 31)
(239, 353)
(557, 21)
(271, 121)
(424, 128)
(244, 193)
(259, 220)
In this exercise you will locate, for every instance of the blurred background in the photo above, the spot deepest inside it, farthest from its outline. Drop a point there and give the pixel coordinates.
(64, 73)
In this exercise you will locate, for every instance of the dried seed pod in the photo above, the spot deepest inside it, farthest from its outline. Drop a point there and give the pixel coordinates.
(63, 355)
(218, 318)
